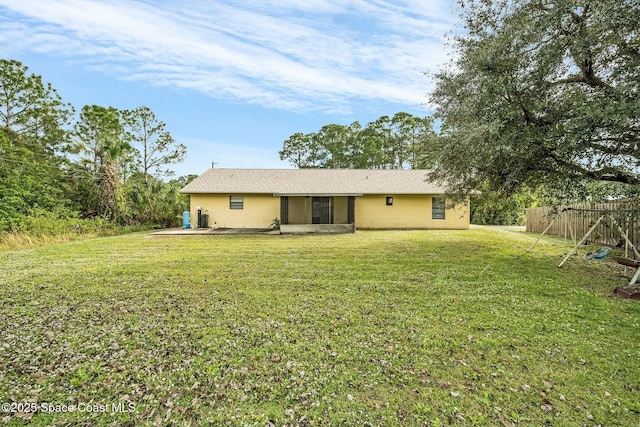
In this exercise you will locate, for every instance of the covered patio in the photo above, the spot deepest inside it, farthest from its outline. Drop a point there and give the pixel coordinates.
(313, 213)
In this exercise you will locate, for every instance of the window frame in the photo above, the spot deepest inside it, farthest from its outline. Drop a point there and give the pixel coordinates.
(236, 204)
(389, 200)
(438, 208)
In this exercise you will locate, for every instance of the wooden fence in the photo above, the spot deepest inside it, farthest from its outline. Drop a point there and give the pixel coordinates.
(574, 222)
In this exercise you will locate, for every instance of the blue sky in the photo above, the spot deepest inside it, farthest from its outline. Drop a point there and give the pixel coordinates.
(234, 79)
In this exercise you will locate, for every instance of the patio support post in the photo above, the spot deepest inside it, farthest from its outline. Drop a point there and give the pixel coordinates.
(284, 210)
(351, 210)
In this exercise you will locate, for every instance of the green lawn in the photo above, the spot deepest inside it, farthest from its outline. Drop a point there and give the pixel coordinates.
(393, 328)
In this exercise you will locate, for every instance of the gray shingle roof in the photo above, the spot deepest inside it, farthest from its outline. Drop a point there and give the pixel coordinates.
(313, 182)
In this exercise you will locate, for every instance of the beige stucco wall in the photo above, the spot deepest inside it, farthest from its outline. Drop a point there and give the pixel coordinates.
(259, 210)
(408, 211)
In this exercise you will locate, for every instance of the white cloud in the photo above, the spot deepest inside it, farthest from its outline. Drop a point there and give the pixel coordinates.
(288, 54)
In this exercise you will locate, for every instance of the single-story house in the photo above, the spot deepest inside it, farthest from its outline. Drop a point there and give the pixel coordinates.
(305, 200)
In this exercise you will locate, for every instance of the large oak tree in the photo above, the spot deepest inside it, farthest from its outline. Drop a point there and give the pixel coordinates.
(541, 92)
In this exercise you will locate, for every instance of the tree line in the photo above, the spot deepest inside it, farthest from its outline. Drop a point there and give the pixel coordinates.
(402, 141)
(102, 162)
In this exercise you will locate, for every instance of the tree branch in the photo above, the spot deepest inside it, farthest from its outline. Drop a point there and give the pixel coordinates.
(609, 173)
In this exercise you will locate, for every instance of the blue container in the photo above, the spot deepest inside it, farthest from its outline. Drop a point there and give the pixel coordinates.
(186, 220)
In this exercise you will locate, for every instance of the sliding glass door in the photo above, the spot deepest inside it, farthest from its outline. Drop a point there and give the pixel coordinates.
(322, 210)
